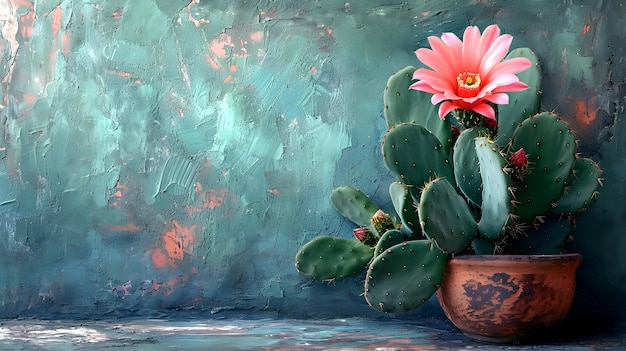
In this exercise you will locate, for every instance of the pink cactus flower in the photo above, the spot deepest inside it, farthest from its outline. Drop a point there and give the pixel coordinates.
(469, 74)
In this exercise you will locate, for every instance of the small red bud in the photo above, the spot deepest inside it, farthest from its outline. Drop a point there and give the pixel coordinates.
(360, 233)
(456, 131)
(519, 159)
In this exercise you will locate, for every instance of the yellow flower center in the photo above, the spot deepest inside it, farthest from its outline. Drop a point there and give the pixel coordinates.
(469, 84)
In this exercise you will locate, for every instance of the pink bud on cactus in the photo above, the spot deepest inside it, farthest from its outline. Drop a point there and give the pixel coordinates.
(365, 236)
(382, 222)
(519, 159)
(360, 233)
(455, 131)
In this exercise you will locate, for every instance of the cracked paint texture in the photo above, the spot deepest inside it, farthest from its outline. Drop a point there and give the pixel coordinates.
(160, 155)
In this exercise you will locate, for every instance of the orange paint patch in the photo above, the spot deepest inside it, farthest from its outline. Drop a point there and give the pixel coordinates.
(586, 26)
(29, 98)
(274, 191)
(214, 198)
(159, 259)
(117, 195)
(123, 74)
(586, 111)
(178, 240)
(167, 287)
(212, 62)
(219, 44)
(210, 200)
(177, 280)
(25, 3)
(124, 228)
(26, 24)
(313, 69)
(56, 20)
(256, 36)
(117, 14)
(65, 44)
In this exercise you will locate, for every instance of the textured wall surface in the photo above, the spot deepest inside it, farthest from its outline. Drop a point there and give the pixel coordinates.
(163, 155)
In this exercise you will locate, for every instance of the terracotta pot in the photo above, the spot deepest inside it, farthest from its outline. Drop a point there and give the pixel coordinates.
(505, 298)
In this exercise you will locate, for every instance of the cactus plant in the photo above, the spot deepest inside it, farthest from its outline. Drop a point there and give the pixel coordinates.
(484, 173)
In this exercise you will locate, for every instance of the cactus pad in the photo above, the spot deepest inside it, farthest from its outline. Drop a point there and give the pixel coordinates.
(415, 156)
(466, 169)
(404, 105)
(550, 147)
(582, 188)
(482, 246)
(405, 207)
(353, 204)
(445, 217)
(328, 257)
(389, 239)
(496, 206)
(404, 276)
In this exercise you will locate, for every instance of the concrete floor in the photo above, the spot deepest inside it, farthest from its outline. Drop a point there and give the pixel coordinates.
(270, 335)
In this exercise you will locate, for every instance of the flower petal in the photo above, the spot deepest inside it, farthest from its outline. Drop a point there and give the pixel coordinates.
(437, 98)
(495, 54)
(499, 81)
(498, 99)
(510, 66)
(445, 108)
(490, 34)
(455, 50)
(471, 55)
(485, 110)
(510, 88)
(423, 86)
(447, 53)
(434, 79)
(435, 61)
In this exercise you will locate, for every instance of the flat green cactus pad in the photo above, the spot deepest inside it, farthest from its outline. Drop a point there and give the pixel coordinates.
(445, 217)
(415, 156)
(550, 146)
(328, 257)
(466, 168)
(404, 105)
(405, 207)
(582, 188)
(353, 204)
(404, 276)
(389, 239)
(496, 206)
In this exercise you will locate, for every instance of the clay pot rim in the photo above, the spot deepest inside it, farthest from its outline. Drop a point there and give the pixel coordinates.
(520, 258)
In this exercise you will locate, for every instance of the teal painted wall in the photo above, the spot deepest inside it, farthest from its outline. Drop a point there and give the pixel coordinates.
(162, 155)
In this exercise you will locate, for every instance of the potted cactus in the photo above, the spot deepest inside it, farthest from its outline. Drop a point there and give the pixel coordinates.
(483, 177)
